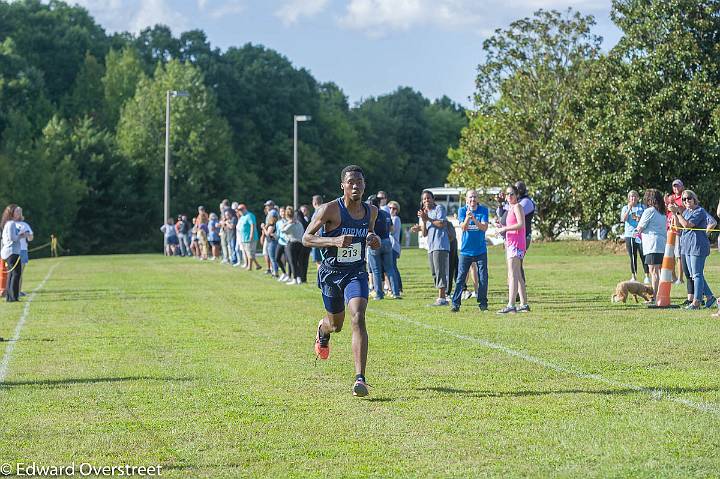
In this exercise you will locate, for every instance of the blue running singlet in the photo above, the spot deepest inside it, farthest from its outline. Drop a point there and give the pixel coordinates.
(352, 257)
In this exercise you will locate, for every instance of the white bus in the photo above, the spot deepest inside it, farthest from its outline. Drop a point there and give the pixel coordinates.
(453, 198)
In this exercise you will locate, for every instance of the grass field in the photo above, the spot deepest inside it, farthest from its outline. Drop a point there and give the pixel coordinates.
(209, 372)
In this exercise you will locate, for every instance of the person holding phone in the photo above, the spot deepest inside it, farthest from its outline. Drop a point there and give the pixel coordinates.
(630, 216)
(473, 250)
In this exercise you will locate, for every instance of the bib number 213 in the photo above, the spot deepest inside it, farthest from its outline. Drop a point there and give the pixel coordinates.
(349, 254)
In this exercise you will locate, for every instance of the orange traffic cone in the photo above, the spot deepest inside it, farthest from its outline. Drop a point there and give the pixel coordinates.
(3, 277)
(668, 264)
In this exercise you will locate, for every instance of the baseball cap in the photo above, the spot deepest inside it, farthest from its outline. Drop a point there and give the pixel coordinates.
(269, 203)
(677, 182)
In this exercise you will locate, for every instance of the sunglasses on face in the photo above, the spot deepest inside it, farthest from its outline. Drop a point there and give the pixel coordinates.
(687, 198)
(509, 193)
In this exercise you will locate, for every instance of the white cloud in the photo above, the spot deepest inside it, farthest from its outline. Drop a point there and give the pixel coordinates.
(292, 10)
(377, 17)
(134, 15)
(152, 12)
(233, 7)
(201, 4)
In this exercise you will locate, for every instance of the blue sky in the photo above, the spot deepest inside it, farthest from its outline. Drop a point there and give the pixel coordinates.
(367, 47)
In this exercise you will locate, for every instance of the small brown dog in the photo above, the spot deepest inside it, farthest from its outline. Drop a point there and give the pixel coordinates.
(635, 288)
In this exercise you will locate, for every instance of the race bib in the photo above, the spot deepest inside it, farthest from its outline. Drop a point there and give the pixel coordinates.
(350, 254)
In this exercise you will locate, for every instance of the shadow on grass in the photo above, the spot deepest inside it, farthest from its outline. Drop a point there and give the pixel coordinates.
(381, 399)
(75, 381)
(522, 393)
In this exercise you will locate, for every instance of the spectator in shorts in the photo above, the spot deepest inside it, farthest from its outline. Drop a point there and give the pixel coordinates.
(214, 236)
(170, 237)
(271, 241)
(515, 249)
(432, 221)
(394, 208)
(194, 240)
(249, 237)
(26, 235)
(695, 246)
(473, 250)
(630, 215)
(652, 227)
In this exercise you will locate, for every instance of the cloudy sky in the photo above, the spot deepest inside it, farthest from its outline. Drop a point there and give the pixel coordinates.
(367, 47)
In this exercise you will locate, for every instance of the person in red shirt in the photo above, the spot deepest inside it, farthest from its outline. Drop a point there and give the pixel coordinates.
(676, 197)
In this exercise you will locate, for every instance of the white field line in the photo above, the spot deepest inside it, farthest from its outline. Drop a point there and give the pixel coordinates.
(16, 335)
(657, 394)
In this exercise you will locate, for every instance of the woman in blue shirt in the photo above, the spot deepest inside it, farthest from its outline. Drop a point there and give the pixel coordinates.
(630, 215)
(695, 244)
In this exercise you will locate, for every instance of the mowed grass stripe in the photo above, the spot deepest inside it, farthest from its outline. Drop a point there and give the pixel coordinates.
(18, 328)
(209, 371)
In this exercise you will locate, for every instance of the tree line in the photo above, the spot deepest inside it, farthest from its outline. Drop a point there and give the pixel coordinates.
(583, 127)
(82, 128)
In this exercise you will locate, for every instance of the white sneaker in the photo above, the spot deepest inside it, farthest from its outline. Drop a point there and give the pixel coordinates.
(283, 278)
(298, 281)
(646, 280)
(290, 282)
(633, 278)
(236, 265)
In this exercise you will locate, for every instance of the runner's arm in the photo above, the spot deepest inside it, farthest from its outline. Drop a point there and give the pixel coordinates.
(322, 216)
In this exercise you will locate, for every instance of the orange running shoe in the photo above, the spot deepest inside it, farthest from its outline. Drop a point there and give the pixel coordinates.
(322, 344)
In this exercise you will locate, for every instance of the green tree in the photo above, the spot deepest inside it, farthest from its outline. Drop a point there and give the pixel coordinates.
(53, 37)
(646, 115)
(22, 90)
(123, 72)
(203, 165)
(110, 208)
(525, 90)
(86, 98)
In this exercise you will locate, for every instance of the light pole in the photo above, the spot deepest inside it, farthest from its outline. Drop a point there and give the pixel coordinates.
(296, 119)
(170, 94)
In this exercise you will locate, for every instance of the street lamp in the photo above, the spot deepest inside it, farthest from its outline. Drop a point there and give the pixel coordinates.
(170, 94)
(296, 119)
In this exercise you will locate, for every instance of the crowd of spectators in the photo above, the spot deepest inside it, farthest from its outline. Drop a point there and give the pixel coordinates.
(646, 228)
(233, 236)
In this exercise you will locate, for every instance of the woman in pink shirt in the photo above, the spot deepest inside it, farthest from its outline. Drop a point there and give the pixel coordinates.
(515, 247)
